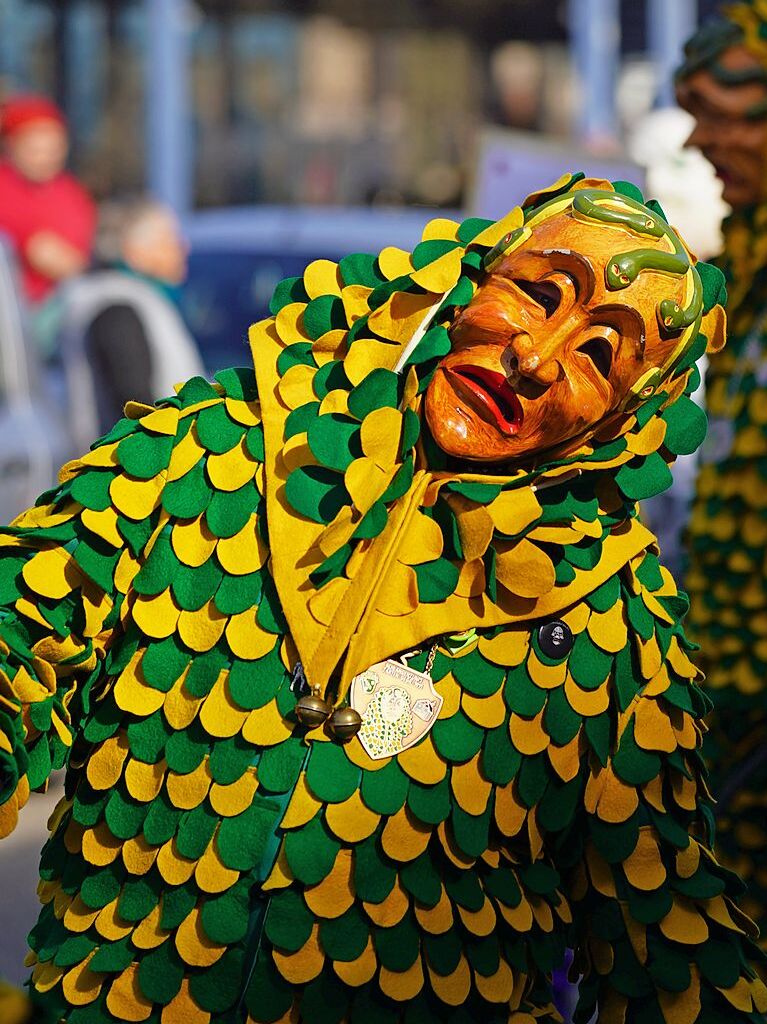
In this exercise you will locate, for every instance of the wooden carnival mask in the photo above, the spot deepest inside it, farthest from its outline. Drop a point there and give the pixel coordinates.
(583, 312)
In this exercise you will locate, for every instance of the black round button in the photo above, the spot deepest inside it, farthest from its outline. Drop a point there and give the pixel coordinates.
(555, 639)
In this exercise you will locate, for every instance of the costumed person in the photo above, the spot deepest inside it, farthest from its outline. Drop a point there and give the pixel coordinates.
(45, 212)
(723, 83)
(121, 336)
(372, 692)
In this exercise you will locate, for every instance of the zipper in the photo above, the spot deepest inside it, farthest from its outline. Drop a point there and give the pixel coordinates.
(261, 901)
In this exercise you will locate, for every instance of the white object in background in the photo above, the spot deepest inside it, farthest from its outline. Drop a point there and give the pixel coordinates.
(511, 164)
(681, 179)
(685, 185)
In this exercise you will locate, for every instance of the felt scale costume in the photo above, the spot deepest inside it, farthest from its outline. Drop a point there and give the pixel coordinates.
(182, 613)
(728, 526)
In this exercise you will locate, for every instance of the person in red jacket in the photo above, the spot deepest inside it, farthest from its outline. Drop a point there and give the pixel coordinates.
(44, 211)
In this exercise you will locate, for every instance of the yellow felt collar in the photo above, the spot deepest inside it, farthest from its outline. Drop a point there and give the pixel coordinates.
(371, 613)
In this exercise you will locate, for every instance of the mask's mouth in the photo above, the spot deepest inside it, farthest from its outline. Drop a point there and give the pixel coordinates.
(490, 395)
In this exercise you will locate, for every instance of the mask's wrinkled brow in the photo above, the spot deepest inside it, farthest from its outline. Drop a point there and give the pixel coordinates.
(615, 315)
(586, 281)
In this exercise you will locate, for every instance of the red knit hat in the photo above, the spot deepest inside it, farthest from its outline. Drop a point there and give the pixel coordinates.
(19, 111)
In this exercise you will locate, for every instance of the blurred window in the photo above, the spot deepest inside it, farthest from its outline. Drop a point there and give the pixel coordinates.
(88, 55)
(336, 102)
(293, 102)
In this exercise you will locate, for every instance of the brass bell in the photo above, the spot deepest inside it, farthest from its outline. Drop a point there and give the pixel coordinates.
(312, 709)
(344, 723)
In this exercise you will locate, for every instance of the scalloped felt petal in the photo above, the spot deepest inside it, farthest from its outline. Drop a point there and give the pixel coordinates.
(380, 435)
(394, 262)
(372, 354)
(400, 316)
(526, 570)
(322, 278)
(442, 273)
(494, 232)
(513, 511)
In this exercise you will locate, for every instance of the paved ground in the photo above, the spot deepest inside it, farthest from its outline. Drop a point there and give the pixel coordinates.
(19, 859)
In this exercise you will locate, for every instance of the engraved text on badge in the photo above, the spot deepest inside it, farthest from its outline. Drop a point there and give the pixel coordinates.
(397, 705)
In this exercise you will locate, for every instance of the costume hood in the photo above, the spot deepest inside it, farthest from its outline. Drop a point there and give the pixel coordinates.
(377, 541)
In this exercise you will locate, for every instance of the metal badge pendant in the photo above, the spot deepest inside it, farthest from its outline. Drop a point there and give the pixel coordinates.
(397, 705)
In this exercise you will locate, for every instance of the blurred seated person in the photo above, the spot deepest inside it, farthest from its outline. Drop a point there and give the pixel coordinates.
(44, 211)
(121, 336)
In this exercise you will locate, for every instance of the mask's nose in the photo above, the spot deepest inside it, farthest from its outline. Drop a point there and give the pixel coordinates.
(534, 359)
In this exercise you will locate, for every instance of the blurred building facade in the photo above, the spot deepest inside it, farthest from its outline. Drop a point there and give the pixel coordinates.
(227, 102)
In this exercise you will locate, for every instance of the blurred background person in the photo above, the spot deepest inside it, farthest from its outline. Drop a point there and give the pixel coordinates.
(121, 335)
(723, 84)
(44, 210)
(686, 184)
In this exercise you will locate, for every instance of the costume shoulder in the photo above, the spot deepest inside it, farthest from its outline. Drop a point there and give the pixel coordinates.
(201, 574)
(64, 566)
(68, 563)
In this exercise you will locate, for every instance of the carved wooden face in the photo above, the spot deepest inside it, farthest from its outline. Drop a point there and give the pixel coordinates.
(545, 351)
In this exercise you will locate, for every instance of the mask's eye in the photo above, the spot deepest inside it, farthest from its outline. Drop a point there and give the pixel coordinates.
(600, 352)
(545, 293)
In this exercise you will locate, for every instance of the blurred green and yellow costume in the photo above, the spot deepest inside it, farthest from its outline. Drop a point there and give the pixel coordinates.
(727, 579)
(212, 860)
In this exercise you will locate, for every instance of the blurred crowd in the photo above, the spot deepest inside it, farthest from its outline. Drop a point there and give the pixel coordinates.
(100, 287)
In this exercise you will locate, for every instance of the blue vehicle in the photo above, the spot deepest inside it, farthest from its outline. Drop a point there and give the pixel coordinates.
(237, 256)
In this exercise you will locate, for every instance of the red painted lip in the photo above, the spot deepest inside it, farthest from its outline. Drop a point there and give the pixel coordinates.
(494, 396)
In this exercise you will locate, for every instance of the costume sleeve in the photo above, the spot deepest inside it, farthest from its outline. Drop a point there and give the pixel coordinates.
(658, 932)
(64, 568)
